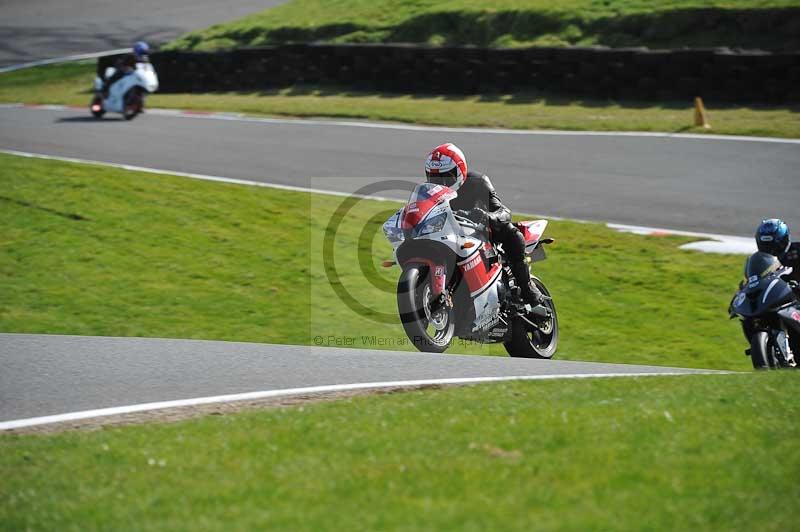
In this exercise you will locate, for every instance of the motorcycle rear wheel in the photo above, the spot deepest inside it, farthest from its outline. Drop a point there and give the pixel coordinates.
(430, 333)
(528, 341)
(97, 101)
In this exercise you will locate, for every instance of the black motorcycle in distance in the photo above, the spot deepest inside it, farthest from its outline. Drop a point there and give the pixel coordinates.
(770, 312)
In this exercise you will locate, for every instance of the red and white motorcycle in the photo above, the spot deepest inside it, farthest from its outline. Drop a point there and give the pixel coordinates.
(455, 282)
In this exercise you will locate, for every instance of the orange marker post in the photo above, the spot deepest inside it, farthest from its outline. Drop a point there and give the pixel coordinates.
(700, 115)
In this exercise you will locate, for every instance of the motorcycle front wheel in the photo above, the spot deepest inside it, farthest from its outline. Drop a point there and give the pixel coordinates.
(535, 341)
(134, 102)
(761, 351)
(429, 331)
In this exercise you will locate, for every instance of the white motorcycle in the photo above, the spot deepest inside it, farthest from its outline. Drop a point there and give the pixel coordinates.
(126, 95)
(455, 282)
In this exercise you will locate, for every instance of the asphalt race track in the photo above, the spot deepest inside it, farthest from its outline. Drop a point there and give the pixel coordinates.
(45, 375)
(707, 185)
(41, 29)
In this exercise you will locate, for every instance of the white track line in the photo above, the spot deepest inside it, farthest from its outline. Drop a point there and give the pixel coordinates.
(251, 396)
(240, 117)
(64, 59)
(190, 175)
(738, 242)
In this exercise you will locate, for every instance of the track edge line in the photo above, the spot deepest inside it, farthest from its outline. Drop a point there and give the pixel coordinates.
(250, 396)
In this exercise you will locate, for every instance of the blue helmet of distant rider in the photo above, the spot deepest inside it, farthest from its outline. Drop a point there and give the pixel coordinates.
(772, 236)
(141, 50)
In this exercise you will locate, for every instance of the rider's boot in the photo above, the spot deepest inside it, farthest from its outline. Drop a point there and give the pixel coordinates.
(529, 291)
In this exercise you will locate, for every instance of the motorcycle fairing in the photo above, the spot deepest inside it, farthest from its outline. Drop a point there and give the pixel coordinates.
(532, 230)
(477, 273)
(791, 317)
(143, 76)
(424, 198)
(762, 294)
(483, 282)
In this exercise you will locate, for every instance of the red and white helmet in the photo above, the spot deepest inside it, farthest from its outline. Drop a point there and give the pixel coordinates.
(446, 165)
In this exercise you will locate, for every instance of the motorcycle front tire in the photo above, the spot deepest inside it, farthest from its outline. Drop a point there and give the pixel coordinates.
(760, 354)
(133, 104)
(410, 304)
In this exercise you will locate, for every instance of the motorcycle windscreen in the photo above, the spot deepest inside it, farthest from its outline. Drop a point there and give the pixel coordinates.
(760, 264)
(424, 198)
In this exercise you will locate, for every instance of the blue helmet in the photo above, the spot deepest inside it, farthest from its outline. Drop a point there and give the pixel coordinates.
(772, 236)
(140, 49)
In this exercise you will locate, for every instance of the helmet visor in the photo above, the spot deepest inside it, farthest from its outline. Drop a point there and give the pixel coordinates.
(768, 244)
(447, 179)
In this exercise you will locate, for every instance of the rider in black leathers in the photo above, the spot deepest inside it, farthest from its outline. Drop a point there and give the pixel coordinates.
(477, 197)
(772, 236)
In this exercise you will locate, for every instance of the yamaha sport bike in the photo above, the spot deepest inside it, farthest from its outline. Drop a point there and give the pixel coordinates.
(769, 311)
(455, 281)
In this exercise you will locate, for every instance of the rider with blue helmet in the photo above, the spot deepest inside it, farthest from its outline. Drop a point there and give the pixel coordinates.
(127, 64)
(772, 236)
(141, 50)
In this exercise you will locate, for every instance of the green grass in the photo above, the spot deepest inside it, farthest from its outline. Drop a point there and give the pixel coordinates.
(769, 24)
(656, 453)
(68, 84)
(90, 250)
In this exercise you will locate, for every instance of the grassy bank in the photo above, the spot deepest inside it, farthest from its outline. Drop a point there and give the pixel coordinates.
(665, 453)
(767, 24)
(97, 251)
(68, 84)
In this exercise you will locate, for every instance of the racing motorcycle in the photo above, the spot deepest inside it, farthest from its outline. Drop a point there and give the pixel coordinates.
(455, 282)
(769, 312)
(127, 94)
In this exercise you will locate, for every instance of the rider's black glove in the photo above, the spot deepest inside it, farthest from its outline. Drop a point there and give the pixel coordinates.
(479, 216)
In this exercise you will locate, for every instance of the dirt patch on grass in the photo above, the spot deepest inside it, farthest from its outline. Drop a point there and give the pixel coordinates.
(171, 415)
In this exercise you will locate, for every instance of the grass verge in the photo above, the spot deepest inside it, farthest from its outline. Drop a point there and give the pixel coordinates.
(655, 453)
(68, 84)
(769, 24)
(91, 250)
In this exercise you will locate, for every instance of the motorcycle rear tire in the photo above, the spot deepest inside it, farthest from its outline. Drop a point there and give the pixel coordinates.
(524, 338)
(101, 112)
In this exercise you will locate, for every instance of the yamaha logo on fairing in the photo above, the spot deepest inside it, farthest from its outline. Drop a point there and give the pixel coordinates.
(498, 333)
(486, 322)
(471, 264)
